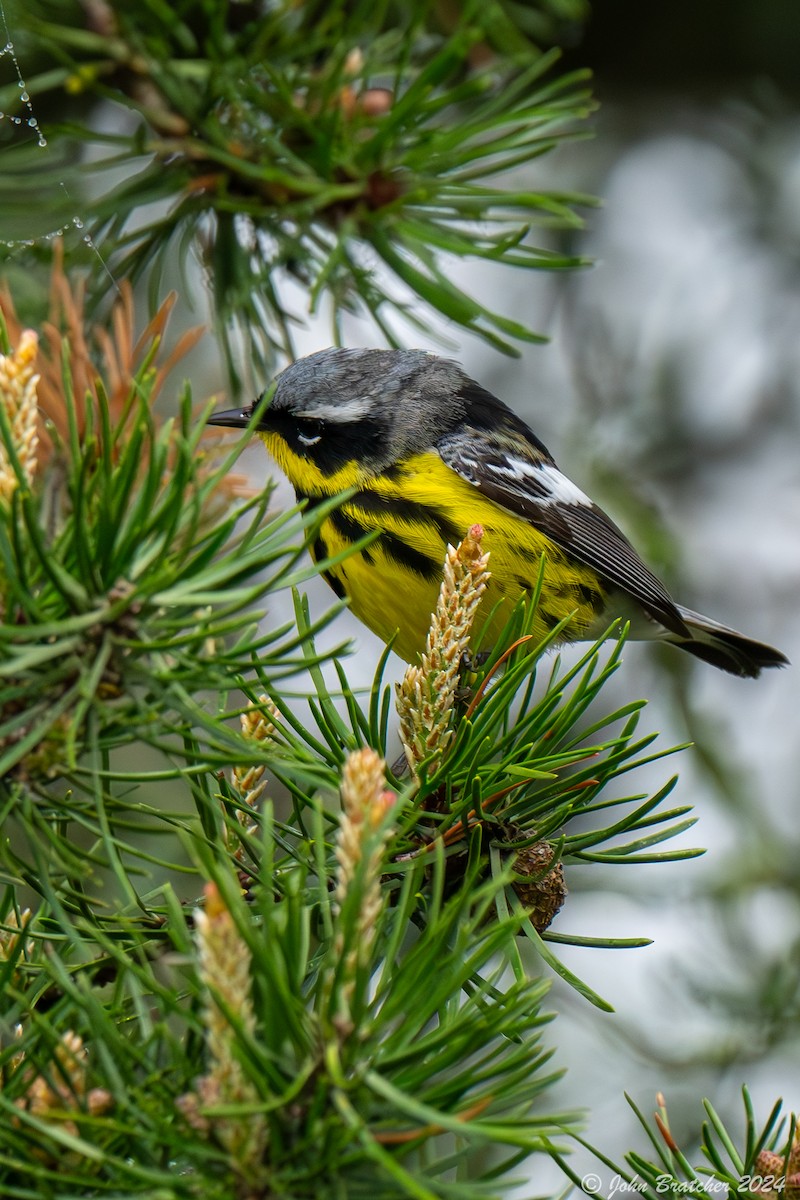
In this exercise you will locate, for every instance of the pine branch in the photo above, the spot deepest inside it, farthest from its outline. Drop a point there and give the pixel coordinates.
(762, 1162)
(348, 150)
(344, 989)
(127, 588)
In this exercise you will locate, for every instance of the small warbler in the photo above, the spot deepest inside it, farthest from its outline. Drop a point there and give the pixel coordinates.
(429, 453)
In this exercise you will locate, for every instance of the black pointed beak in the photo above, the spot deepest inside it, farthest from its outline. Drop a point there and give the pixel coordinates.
(233, 418)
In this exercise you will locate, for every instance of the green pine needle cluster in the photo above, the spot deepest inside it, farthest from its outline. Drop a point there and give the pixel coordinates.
(337, 1011)
(761, 1161)
(127, 576)
(346, 148)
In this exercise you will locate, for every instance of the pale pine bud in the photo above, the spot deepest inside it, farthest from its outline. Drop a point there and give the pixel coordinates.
(225, 969)
(64, 1088)
(426, 694)
(10, 936)
(18, 397)
(365, 804)
(354, 63)
(256, 727)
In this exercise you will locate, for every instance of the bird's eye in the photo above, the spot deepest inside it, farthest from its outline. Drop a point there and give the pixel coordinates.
(309, 433)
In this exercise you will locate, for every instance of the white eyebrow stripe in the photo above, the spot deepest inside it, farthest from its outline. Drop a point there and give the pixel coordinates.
(339, 414)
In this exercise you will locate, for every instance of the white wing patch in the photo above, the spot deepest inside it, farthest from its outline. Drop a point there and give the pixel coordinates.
(537, 492)
(557, 488)
(550, 486)
(562, 490)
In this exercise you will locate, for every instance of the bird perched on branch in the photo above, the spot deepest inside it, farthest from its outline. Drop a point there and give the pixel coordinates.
(429, 453)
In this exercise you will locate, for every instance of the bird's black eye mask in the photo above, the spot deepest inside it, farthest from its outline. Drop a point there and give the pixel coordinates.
(329, 444)
(310, 432)
(301, 434)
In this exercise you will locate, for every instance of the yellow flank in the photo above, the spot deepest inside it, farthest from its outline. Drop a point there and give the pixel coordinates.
(393, 583)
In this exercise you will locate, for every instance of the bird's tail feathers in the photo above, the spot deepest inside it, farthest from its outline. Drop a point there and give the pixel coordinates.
(725, 648)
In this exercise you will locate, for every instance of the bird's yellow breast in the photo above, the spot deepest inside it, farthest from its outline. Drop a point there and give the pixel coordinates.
(416, 508)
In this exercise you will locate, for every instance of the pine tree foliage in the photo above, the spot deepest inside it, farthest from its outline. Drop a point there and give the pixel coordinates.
(762, 1160)
(251, 948)
(313, 143)
(344, 980)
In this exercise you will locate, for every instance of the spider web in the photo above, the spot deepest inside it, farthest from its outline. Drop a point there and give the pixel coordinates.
(26, 120)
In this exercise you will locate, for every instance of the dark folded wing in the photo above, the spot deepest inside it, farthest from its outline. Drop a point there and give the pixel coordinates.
(533, 488)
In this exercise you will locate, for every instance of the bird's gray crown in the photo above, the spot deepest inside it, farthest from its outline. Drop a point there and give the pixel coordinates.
(412, 396)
